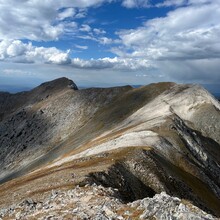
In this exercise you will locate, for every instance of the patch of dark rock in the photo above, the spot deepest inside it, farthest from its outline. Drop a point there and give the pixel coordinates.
(24, 147)
(19, 134)
(200, 147)
(1, 116)
(129, 187)
(186, 186)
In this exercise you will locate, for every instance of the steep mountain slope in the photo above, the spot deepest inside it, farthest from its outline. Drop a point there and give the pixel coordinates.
(40, 120)
(158, 138)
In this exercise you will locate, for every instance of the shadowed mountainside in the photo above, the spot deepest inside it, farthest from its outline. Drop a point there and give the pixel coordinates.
(142, 141)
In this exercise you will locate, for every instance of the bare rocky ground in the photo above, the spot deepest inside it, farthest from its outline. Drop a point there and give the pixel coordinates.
(96, 202)
(116, 153)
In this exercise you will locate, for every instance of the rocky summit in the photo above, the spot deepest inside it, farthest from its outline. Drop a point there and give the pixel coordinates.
(110, 153)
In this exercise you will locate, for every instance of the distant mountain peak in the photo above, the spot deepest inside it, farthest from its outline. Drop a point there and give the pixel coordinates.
(59, 83)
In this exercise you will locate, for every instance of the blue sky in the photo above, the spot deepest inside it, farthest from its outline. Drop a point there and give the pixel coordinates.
(109, 42)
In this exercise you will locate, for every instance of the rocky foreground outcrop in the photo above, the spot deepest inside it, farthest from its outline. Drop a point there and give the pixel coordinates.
(96, 202)
(153, 151)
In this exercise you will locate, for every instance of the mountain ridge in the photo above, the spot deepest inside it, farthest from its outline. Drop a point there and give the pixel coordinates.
(165, 135)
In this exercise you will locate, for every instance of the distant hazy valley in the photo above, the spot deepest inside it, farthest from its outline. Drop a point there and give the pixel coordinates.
(151, 152)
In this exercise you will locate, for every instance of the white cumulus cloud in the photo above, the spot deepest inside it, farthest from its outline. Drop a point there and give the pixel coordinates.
(168, 3)
(85, 28)
(135, 3)
(36, 20)
(186, 33)
(112, 63)
(69, 12)
(17, 51)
